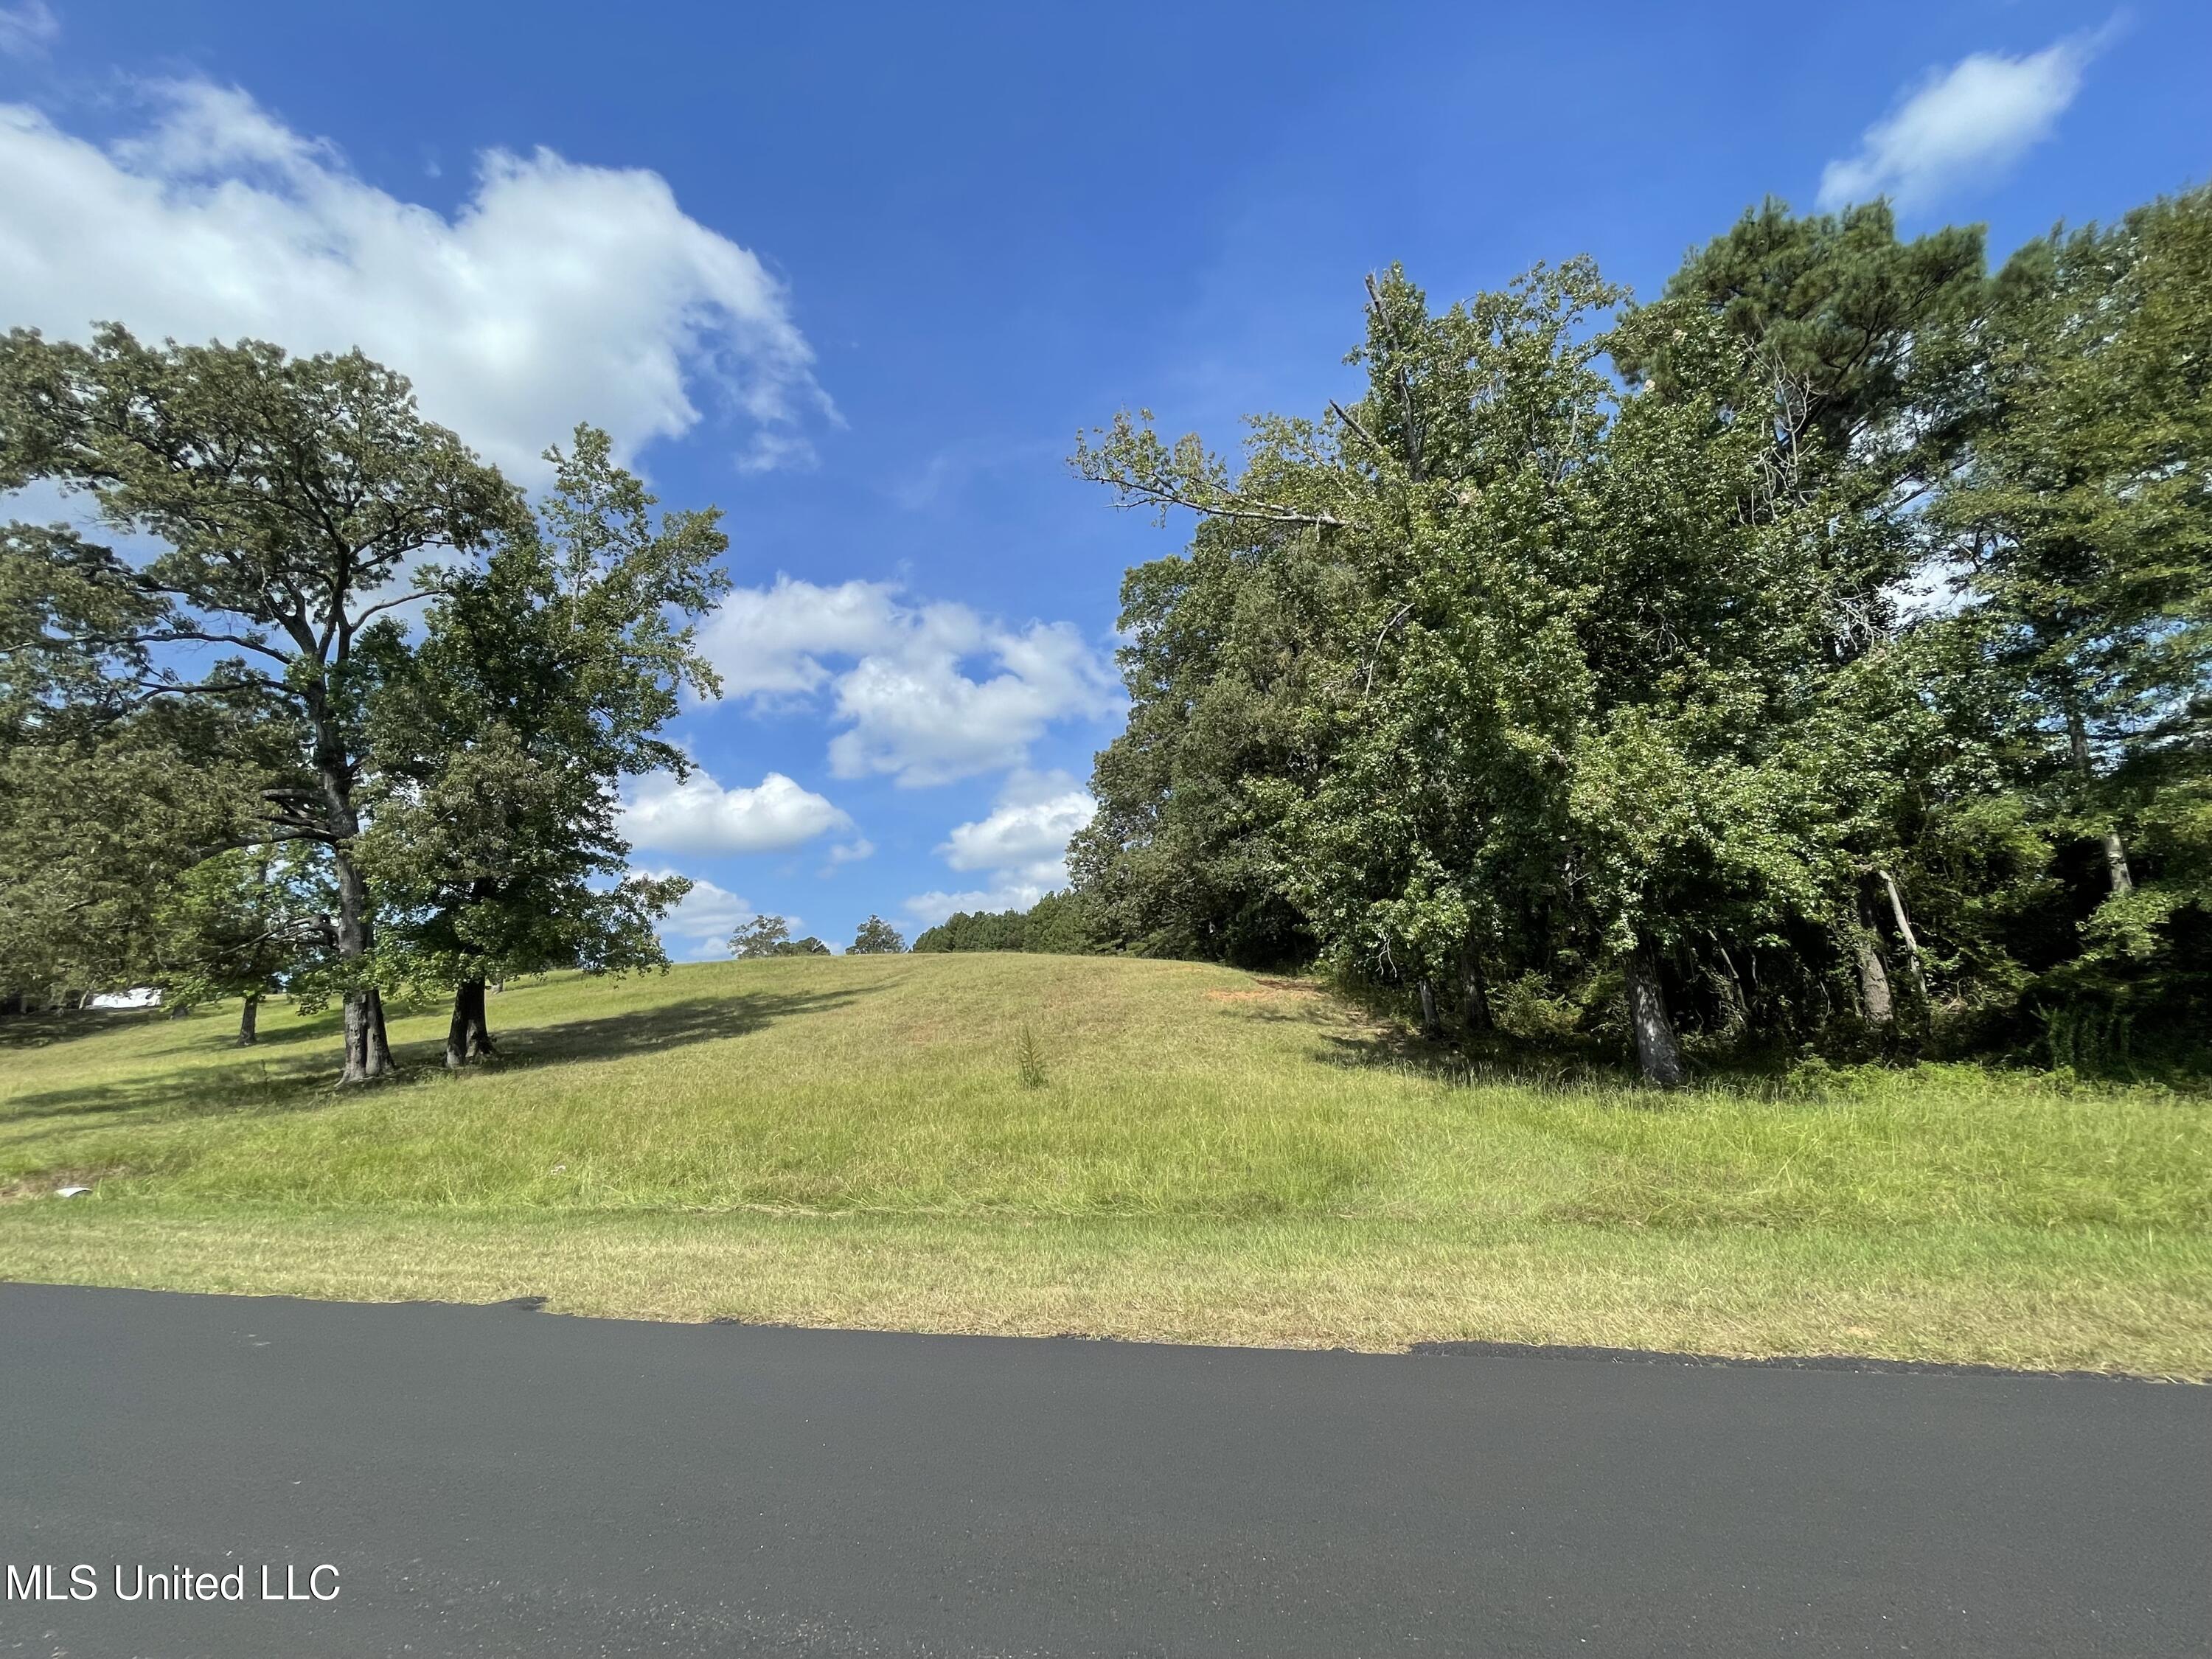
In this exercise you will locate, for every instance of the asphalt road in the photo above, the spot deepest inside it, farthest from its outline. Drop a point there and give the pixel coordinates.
(494, 1481)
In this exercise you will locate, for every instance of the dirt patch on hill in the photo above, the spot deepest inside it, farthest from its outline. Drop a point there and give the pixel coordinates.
(1270, 990)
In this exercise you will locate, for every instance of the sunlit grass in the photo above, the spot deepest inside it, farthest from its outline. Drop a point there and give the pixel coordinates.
(1209, 1155)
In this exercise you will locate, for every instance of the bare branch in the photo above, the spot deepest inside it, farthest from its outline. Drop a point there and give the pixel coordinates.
(1350, 420)
(352, 624)
(1376, 655)
(1404, 385)
(1253, 512)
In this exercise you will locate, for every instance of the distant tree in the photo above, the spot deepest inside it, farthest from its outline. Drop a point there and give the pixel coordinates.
(876, 937)
(1057, 924)
(100, 815)
(809, 946)
(763, 936)
(243, 924)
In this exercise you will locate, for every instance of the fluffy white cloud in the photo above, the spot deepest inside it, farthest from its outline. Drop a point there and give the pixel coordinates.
(701, 923)
(770, 642)
(27, 29)
(698, 815)
(1021, 844)
(1972, 120)
(557, 293)
(1026, 833)
(910, 707)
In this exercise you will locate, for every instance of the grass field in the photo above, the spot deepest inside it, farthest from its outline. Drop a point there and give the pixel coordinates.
(1211, 1156)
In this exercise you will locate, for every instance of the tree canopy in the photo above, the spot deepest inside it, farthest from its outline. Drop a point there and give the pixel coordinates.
(876, 937)
(1056, 924)
(1757, 659)
(355, 721)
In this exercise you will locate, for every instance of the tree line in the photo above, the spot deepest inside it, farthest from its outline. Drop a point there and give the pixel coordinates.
(1058, 924)
(229, 769)
(1815, 655)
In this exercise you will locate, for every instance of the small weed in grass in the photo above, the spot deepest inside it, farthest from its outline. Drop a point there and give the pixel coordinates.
(1028, 1058)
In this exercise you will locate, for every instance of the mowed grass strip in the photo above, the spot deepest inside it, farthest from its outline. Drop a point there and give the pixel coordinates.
(1213, 1156)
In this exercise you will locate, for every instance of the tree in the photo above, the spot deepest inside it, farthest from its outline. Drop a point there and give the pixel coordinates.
(290, 497)
(876, 937)
(1880, 342)
(98, 820)
(243, 924)
(104, 799)
(1185, 854)
(540, 682)
(2084, 521)
(763, 936)
(1555, 714)
(1057, 924)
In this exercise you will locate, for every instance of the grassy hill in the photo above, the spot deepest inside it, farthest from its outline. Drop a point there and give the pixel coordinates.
(1210, 1156)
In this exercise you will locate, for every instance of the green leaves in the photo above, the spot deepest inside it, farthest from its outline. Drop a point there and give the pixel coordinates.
(876, 937)
(1518, 672)
(498, 743)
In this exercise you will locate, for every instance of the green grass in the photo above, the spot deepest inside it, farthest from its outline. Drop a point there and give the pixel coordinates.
(1176, 1151)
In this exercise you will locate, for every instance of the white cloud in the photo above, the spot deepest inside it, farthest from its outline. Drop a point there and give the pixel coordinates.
(910, 707)
(1021, 844)
(1970, 121)
(557, 293)
(1025, 836)
(26, 30)
(849, 852)
(699, 815)
(701, 923)
(771, 640)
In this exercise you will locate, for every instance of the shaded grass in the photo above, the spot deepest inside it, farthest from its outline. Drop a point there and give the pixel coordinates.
(1208, 1156)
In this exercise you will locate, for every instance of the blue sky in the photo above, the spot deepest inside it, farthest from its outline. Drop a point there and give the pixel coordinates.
(857, 275)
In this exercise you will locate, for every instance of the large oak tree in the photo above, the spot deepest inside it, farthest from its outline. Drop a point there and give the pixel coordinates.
(279, 506)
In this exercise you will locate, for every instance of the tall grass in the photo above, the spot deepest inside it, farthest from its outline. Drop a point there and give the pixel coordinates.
(1179, 1089)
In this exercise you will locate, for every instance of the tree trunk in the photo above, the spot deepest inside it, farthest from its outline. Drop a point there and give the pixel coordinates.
(1657, 1054)
(1474, 995)
(1874, 978)
(368, 1050)
(468, 1036)
(1897, 914)
(2116, 863)
(248, 1017)
(1430, 1025)
(2116, 851)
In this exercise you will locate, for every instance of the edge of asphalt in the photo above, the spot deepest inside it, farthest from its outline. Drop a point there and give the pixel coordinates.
(1454, 1349)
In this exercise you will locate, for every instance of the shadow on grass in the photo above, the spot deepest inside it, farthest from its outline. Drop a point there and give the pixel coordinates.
(43, 1029)
(1498, 1061)
(668, 1025)
(1379, 1040)
(250, 1084)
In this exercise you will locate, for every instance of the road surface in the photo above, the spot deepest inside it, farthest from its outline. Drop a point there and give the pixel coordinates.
(497, 1481)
